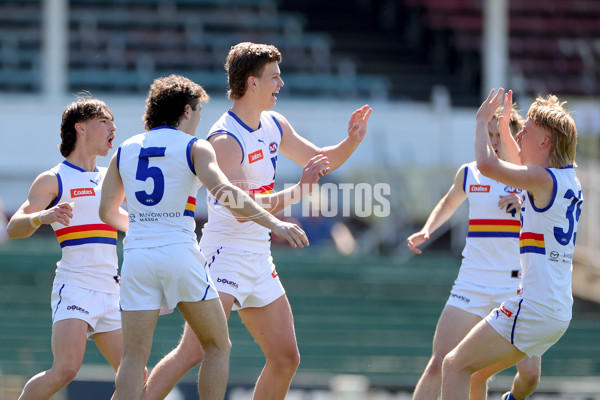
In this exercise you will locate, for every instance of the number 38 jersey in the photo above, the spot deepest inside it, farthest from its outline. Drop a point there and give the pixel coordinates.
(160, 187)
(259, 162)
(547, 244)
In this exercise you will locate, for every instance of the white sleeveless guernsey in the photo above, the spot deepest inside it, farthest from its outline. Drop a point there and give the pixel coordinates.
(491, 253)
(547, 244)
(160, 187)
(89, 252)
(259, 162)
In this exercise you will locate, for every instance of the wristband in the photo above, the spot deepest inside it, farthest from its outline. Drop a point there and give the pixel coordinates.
(35, 221)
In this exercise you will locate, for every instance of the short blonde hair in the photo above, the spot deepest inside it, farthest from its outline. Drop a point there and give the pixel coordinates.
(549, 114)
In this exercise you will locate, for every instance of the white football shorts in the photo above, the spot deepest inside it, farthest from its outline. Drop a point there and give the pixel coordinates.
(521, 323)
(478, 299)
(160, 277)
(100, 310)
(249, 277)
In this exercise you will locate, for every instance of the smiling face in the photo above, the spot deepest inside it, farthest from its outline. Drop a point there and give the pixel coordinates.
(268, 84)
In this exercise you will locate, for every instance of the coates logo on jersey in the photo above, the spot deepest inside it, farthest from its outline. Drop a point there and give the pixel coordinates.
(82, 192)
(273, 148)
(509, 189)
(479, 188)
(257, 155)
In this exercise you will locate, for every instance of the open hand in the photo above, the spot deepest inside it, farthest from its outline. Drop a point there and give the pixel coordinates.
(357, 126)
(488, 107)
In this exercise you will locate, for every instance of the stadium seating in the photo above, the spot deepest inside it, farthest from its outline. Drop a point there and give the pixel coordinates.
(120, 46)
(552, 43)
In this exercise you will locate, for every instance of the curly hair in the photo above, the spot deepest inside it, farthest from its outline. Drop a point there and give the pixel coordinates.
(83, 109)
(549, 114)
(244, 60)
(167, 99)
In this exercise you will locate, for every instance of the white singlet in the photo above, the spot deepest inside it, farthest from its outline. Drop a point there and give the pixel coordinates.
(259, 162)
(89, 253)
(547, 244)
(161, 192)
(490, 256)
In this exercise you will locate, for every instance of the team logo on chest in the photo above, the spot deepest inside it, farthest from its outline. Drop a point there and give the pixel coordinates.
(82, 192)
(257, 155)
(273, 148)
(479, 188)
(509, 189)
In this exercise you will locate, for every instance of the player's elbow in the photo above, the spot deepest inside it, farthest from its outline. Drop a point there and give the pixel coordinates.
(486, 166)
(104, 213)
(11, 232)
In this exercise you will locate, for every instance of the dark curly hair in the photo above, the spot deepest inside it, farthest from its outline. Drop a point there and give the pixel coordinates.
(247, 59)
(167, 99)
(83, 109)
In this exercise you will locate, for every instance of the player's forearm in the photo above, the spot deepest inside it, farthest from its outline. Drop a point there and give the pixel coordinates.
(340, 153)
(510, 148)
(484, 152)
(276, 202)
(440, 214)
(23, 225)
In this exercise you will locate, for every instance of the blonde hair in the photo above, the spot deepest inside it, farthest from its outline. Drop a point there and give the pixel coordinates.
(549, 114)
(516, 120)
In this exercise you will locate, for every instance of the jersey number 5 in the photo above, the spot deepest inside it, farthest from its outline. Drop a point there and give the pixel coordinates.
(145, 172)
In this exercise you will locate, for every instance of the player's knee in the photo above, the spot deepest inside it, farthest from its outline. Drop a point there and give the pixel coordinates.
(450, 364)
(220, 346)
(434, 367)
(286, 360)
(530, 375)
(66, 373)
(191, 357)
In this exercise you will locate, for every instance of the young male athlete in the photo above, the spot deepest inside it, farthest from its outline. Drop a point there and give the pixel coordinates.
(540, 162)
(85, 293)
(158, 173)
(248, 139)
(489, 272)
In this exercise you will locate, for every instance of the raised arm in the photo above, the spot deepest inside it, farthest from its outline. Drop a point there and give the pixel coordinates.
(300, 150)
(113, 195)
(207, 169)
(510, 148)
(441, 213)
(33, 213)
(532, 177)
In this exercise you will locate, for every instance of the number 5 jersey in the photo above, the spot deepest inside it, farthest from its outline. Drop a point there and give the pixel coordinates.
(161, 194)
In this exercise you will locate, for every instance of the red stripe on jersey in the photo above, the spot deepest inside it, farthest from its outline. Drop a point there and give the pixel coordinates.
(531, 235)
(495, 222)
(263, 189)
(83, 228)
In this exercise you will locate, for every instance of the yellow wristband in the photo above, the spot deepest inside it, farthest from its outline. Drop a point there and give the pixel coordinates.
(34, 220)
